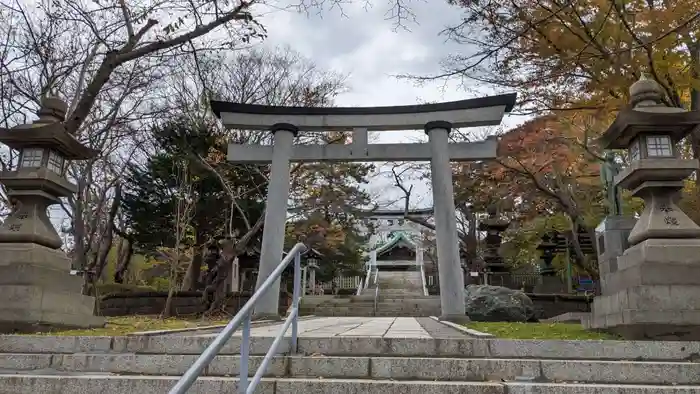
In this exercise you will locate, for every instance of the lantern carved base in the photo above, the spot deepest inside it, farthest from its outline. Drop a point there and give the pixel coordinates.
(38, 292)
(661, 217)
(655, 292)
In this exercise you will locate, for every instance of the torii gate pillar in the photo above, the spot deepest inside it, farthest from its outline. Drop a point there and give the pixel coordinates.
(436, 119)
(449, 268)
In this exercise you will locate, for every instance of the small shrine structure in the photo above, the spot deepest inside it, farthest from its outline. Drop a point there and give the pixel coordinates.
(397, 243)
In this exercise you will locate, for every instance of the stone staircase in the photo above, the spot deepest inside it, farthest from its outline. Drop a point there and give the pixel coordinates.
(400, 283)
(363, 305)
(351, 365)
(400, 294)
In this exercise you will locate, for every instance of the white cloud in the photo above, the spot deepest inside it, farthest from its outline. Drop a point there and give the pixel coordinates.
(366, 46)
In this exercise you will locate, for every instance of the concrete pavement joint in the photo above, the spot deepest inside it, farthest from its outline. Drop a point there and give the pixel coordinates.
(259, 323)
(389, 328)
(468, 331)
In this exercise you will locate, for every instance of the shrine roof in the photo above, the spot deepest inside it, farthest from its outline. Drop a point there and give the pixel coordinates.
(395, 240)
(312, 251)
(399, 212)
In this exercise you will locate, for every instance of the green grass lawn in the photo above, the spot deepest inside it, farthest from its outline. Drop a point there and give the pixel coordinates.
(125, 325)
(570, 331)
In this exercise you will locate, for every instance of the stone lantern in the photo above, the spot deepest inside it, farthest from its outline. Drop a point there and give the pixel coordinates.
(549, 281)
(311, 258)
(494, 226)
(36, 288)
(651, 291)
(547, 246)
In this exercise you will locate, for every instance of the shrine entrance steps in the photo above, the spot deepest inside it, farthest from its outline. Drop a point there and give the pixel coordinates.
(352, 356)
(400, 283)
(364, 305)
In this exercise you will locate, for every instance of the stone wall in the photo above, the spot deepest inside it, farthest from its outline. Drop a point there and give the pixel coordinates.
(184, 303)
(550, 305)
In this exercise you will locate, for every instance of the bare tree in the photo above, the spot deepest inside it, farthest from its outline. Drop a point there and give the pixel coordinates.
(181, 254)
(273, 77)
(112, 61)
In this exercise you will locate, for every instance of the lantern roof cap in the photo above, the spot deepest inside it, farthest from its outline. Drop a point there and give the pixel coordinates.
(49, 136)
(48, 132)
(649, 112)
(646, 90)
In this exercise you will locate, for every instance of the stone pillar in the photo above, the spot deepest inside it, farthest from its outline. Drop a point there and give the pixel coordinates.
(304, 290)
(312, 279)
(244, 279)
(451, 279)
(235, 276)
(275, 218)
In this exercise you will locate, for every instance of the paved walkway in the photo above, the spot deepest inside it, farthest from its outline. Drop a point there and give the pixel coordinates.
(386, 327)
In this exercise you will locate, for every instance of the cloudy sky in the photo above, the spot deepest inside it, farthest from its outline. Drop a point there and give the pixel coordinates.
(364, 43)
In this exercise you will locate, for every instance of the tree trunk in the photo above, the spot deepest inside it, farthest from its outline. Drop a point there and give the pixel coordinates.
(125, 255)
(216, 288)
(470, 240)
(167, 311)
(194, 270)
(79, 252)
(100, 260)
(229, 252)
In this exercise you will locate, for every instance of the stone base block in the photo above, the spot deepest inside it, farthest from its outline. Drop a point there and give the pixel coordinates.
(660, 312)
(13, 253)
(37, 298)
(655, 294)
(32, 308)
(657, 262)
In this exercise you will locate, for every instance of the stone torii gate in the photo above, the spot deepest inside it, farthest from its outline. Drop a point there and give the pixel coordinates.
(436, 119)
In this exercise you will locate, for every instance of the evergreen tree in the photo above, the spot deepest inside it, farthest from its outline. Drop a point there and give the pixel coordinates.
(150, 194)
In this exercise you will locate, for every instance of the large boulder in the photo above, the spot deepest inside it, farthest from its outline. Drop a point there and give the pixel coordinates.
(496, 304)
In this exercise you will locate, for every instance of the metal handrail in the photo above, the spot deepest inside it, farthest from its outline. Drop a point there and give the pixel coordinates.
(422, 275)
(360, 287)
(376, 289)
(376, 297)
(369, 276)
(243, 316)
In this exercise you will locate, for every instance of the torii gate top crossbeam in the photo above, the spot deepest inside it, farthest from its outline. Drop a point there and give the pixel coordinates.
(484, 111)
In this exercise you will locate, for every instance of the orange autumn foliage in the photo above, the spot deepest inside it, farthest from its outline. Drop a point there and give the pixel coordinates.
(579, 54)
(544, 166)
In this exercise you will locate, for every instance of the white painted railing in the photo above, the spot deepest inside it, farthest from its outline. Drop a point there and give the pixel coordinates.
(369, 276)
(343, 282)
(423, 282)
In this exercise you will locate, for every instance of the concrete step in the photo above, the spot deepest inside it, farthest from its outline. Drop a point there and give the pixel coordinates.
(365, 346)
(389, 368)
(380, 313)
(114, 384)
(383, 312)
(385, 307)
